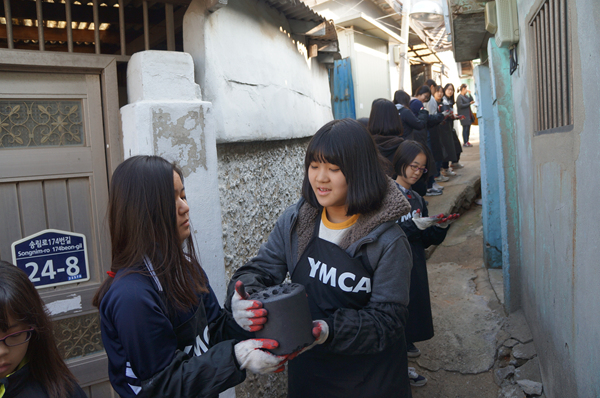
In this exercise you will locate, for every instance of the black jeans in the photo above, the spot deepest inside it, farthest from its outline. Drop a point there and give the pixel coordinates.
(466, 133)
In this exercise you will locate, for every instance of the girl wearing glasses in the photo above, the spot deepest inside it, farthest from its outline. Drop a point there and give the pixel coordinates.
(411, 162)
(164, 332)
(30, 364)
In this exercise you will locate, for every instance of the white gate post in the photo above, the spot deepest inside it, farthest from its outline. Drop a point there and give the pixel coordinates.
(167, 117)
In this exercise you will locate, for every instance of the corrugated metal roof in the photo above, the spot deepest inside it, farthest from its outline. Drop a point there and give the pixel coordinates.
(298, 11)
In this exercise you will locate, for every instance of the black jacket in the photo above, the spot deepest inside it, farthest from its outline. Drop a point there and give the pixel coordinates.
(410, 122)
(157, 352)
(420, 321)
(387, 146)
(22, 385)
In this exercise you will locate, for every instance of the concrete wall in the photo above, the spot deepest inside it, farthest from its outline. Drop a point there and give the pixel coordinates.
(258, 78)
(557, 231)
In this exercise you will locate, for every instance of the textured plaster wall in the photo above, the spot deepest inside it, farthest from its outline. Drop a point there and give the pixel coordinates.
(258, 78)
(558, 216)
(257, 182)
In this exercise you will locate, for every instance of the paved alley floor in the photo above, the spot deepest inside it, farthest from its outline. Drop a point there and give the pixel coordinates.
(467, 316)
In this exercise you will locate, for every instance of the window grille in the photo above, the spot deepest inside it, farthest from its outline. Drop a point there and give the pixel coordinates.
(550, 30)
(116, 27)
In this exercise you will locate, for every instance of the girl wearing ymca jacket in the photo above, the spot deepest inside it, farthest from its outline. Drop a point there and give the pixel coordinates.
(342, 243)
(30, 364)
(422, 231)
(163, 330)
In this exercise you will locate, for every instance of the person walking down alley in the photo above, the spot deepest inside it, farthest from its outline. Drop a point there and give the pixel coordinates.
(341, 242)
(463, 106)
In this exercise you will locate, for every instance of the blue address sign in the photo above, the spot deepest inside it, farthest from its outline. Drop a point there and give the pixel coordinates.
(52, 258)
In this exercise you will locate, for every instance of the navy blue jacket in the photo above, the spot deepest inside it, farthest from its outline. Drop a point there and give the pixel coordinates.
(21, 384)
(148, 355)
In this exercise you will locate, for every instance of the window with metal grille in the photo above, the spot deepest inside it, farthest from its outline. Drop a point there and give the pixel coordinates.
(116, 27)
(552, 67)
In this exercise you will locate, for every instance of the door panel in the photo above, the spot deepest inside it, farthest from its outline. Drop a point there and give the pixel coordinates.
(53, 161)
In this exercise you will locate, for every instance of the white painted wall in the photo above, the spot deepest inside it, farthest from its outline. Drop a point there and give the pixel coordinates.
(558, 218)
(371, 64)
(380, 79)
(259, 80)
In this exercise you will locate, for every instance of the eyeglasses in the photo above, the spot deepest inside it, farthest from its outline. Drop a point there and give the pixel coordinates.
(18, 338)
(416, 168)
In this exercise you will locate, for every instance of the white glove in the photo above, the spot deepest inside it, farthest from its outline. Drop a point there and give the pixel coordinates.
(446, 221)
(424, 222)
(249, 314)
(320, 332)
(250, 355)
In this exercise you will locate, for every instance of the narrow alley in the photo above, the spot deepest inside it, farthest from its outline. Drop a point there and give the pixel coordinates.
(472, 330)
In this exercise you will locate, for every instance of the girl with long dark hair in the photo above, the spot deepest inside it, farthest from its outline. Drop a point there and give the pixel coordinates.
(341, 242)
(449, 137)
(386, 128)
(162, 327)
(30, 364)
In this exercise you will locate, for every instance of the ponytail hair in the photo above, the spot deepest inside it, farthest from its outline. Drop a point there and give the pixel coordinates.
(142, 220)
(20, 301)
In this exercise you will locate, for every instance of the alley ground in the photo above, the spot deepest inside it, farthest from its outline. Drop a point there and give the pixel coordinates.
(458, 361)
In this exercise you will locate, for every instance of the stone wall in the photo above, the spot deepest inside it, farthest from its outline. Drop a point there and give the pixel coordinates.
(257, 182)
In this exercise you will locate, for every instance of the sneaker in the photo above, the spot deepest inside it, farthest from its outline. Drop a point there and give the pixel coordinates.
(441, 178)
(437, 186)
(457, 165)
(415, 379)
(449, 172)
(433, 192)
(412, 351)
(467, 145)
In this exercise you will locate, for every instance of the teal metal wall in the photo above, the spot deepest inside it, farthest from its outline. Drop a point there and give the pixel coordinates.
(490, 183)
(504, 127)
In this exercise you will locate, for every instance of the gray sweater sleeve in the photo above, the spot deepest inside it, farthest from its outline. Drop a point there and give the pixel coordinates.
(462, 102)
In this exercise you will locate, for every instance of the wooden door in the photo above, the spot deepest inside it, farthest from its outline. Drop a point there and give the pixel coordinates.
(53, 174)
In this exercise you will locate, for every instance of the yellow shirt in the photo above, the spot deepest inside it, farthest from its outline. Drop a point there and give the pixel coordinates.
(334, 232)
